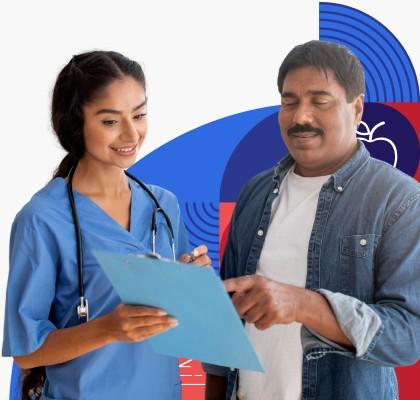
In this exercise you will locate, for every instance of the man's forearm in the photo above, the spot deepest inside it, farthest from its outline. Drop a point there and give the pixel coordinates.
(315, 313)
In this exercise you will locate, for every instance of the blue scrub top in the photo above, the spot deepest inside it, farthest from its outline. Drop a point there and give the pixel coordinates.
(42, 291)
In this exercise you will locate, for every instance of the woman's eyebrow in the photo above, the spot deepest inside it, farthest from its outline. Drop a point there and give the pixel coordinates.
(112, 111)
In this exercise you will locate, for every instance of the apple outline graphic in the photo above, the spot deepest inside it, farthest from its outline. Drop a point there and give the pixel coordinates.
(369, 133)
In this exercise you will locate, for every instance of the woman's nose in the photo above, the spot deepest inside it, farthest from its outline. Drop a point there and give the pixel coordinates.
(129, 132)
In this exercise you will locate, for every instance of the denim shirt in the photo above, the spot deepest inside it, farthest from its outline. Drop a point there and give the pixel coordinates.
(364, 257)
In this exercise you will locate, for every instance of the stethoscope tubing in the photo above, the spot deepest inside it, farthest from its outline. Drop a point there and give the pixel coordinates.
(83, 308)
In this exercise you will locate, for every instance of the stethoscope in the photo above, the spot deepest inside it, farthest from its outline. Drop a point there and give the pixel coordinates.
(83, 307)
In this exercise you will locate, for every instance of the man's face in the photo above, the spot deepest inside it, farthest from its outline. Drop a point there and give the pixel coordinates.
(317, 122)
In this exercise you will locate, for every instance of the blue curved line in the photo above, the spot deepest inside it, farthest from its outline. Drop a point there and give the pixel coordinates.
(371, 85)
(397, 48)
(386, 53)
(208, 214)
(205, 241)
(369, 22)
(368, 72)
(381, 93)
(369, 81)
(210, 248)
(198, 227)
(358, 39)
(367, 94)
(213, 207)
(392, 61)
(202, 219)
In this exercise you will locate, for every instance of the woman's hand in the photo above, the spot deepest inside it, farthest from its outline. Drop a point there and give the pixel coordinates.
(198, 256)
(123, 324)
(135, 323)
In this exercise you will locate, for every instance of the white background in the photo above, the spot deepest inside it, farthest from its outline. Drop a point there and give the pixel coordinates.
(203, 61)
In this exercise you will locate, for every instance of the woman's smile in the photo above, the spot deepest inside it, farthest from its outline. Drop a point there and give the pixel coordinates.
(125, 150)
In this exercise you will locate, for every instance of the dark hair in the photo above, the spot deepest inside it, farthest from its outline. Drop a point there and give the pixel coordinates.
(326, 55)
(78, 83)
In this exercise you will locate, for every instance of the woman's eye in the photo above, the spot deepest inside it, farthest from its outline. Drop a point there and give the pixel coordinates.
(109, 122)
(139, 116)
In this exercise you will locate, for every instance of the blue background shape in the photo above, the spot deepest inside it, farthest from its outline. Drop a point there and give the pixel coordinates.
(260, 149)
(390, 75)
(398, 129)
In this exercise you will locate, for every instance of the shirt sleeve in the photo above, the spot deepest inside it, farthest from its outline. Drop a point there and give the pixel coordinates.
(387, 332)
(30, 287)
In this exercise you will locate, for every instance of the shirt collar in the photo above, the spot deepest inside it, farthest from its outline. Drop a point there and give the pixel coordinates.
(340, 178)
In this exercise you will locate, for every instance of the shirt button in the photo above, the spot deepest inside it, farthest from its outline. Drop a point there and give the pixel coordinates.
(363, 242)
(260, 232)
(340, 188)
(276, 190)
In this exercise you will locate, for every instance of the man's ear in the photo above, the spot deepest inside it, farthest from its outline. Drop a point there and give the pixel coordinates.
(358, 104)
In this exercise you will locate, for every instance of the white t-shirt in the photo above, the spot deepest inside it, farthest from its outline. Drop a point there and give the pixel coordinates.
(283, 259)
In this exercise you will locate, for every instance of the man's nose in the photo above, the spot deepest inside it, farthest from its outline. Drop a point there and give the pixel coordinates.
(303, 114)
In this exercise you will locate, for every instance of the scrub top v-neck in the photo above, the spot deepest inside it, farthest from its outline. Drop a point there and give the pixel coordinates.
(42, 292)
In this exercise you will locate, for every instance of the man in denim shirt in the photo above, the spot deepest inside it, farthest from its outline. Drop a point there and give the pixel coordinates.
(326, 244)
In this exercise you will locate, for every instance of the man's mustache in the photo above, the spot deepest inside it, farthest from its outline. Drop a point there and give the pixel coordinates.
(298, 128)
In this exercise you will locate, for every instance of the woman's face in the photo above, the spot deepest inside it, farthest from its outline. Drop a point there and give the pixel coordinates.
(115, 123)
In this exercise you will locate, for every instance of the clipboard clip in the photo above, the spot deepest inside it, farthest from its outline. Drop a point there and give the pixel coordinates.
(156, 256)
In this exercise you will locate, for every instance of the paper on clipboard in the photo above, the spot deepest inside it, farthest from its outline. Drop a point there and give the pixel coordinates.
(209, 328)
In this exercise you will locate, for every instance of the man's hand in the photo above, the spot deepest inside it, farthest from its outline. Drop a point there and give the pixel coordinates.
(264, 302)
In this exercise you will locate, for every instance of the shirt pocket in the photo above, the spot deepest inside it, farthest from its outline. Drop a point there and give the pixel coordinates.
(357, 254)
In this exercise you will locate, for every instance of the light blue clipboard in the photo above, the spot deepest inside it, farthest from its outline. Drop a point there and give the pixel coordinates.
(209, 328)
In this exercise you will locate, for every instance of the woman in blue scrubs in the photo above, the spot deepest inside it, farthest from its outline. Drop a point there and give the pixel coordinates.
(99, 116)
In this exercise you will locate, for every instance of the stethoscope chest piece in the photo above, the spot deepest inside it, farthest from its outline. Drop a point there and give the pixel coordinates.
(83, 309)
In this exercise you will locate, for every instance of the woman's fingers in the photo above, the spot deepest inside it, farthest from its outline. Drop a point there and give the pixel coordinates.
(134, 323)
(186, 258)
(149, 321)
(199, 251)
(127, 310)
(198, 256)
(149, 331)
(202, 260)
